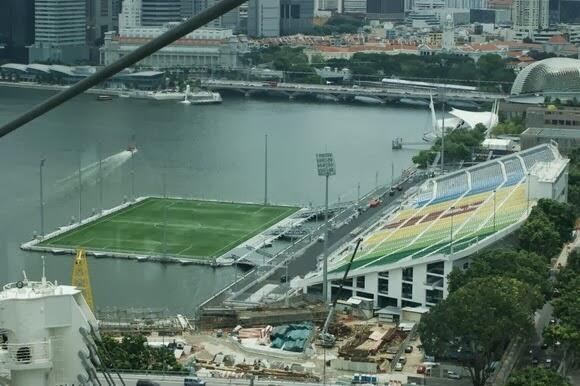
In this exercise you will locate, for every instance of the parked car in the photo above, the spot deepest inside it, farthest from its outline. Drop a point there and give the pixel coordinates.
(399, 366)
(146, 382)
(453, 375)
(193, 381)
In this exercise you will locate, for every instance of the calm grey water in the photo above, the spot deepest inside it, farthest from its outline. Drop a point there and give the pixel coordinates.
(214, 152)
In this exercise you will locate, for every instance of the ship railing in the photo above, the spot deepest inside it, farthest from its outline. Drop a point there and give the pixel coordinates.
(26, 353)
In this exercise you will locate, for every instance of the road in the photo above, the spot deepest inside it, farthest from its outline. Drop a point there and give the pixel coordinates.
(386, 92)
(307, 259)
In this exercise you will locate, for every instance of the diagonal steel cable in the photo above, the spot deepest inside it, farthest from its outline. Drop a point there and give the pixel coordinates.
(142, 52)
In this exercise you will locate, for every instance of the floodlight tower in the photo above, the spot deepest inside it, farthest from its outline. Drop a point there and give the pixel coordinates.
(326, 168)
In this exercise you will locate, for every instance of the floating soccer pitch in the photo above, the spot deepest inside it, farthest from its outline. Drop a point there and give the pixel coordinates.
(178, 228)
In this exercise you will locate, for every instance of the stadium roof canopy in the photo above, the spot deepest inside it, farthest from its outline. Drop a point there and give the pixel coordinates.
(548, 75)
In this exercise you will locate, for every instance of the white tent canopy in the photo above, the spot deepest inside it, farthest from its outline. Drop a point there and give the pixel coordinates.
(471, 118)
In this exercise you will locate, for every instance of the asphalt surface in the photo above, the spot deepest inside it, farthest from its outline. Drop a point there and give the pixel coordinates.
(306, 261)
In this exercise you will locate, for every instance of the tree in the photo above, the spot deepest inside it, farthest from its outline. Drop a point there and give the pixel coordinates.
(561, 215)
(133, 353)
(538, 235)
(513, 126)
(537, 376)
(424, 158)
(478, 320)
(529, 268)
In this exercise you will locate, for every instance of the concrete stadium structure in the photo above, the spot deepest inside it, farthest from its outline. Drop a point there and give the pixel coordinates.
(553, 75)
(406, 255)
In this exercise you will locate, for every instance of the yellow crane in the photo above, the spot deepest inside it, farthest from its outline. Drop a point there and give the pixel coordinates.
(80, 277)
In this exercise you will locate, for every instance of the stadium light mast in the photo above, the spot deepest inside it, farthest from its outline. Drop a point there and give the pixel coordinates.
(42, 161)
(442, 91)
(326, 168)
(266, 169)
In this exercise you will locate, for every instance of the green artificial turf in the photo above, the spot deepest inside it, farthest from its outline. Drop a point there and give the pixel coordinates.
(195, 229)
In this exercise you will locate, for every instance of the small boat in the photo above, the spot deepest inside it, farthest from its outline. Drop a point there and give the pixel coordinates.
(205, 98)
(397, 143)
(167, 95)
(200, 97)
(104, 98)
(124, 95)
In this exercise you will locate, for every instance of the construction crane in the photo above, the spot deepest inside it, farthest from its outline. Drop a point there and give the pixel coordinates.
(80, 277)
(327, 339)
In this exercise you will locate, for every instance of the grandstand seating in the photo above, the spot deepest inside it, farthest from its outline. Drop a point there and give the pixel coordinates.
(514, 170)
(450, 214)
(486, 178)
(537, 154)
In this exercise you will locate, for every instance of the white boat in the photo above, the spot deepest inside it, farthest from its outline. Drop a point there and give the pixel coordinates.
(205, 97)
(200, 97)
(167, 95)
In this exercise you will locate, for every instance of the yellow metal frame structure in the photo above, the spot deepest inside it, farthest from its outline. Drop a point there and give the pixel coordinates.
(80, 277)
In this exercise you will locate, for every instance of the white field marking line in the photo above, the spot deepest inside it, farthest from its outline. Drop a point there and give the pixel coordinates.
(90, 225)
(185, 225)
(113, 249)
(267, 225)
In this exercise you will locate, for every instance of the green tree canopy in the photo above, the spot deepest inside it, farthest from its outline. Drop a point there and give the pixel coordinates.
(561, 215)
(479, 319)
(537, 376)
(513, 126)
(538, 235)
(132, 353)
(528, 268)
(567, 306)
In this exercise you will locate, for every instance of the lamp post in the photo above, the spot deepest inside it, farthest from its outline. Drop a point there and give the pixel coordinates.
(132, 147)
(266, 170)
(80, 188)
(529, 193)
(42, 161)
(451, 232)
(326, 168)
(494, 210)
(101, 177)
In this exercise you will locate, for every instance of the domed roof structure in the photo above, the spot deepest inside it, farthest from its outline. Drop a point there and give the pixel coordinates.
(551, 75)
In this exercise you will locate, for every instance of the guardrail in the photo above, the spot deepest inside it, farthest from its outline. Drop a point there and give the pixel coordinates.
(286, 255)
(26, 353)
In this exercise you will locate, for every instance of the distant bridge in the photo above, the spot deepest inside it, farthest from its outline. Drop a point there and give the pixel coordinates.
(380, 94)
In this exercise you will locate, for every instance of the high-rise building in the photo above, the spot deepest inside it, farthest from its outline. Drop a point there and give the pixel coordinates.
(386, 9)
(263, 18)
(230, 20)
(569, 11)
(16, 29)
(159, 12)
(296, 16)
(467, 4)
(448, 36)
(330, 5)
(355, 6)
(102, 16)
(530, 15)
(59, 32)
(130, 16)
